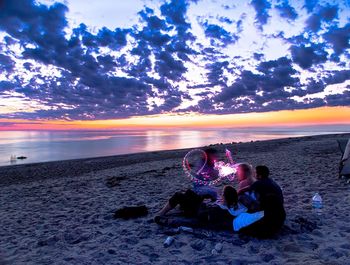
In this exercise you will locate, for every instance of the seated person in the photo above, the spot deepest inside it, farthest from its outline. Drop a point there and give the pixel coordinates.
(217, 216)
(245, 177)
(269, 198)
(230, 215)
(264, 185)
(245, 180)
(208, 172)
(221, 214)
(189, 202)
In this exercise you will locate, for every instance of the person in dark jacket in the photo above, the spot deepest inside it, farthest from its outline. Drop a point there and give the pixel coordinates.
(265, 185)
(269, 198)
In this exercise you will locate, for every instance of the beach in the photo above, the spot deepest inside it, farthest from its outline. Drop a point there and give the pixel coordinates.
(62, 212)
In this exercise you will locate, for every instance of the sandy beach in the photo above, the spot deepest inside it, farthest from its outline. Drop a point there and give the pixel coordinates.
(62, 212)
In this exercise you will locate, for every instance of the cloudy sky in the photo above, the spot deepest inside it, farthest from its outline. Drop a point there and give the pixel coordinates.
(99, 60)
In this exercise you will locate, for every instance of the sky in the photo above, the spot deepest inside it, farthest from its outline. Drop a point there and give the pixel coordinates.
(110, 64)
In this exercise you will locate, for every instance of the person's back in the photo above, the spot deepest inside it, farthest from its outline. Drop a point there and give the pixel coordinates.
(265, 185)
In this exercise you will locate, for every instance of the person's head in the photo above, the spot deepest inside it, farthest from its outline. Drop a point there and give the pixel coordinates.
(244, 171)
(262, 172)
(211, 154)
(230, 196)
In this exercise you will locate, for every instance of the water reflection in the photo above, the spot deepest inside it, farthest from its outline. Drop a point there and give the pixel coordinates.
(41, 146)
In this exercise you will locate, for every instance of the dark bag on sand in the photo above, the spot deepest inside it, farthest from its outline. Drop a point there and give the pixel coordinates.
(131, 212)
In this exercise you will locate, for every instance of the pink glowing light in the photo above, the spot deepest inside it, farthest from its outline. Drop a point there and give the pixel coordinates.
(229, 156)
(226, 170)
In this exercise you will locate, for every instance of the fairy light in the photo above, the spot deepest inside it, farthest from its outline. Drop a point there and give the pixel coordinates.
(226, 170)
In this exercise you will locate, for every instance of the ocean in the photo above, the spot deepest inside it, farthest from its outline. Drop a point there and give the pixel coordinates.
(41, 146)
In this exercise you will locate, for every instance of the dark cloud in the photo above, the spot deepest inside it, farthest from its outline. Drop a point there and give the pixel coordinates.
(148, 61)
(217, 32)
(215, 75)
(169, 67)
(152, 32)
(175, 14)
(6, 63)
(7, 86)
(310, 5)
(273, 78)
(339, 38)
(36, 24)
(337, 77)
(306, 57)
(314, 86)
(324, 14)
(170, 51)
(262, 8)
(258, 56)
(153, 21)
(86, 78)
(286, 10)
(342, 99)
(225, 20)
(271, 89)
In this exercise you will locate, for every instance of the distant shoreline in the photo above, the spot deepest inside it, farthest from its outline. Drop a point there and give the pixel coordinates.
(14, 174)
(40, 147)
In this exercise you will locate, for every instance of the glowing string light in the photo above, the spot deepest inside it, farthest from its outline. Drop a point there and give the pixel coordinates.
(226, 170)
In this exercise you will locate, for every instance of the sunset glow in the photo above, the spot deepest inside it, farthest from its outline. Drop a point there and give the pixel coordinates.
(324, 115)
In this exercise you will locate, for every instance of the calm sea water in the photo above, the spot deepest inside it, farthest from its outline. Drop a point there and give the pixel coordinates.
(40, 146)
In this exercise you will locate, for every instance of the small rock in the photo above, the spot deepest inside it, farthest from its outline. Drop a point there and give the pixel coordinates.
(291, 248)
(111, 251)
(218, 247)
(345, 246)
(268, 257)
(253, 250)
(239, 262)
(153, 257)
(198, 245)
(41, 243)
(214, 252)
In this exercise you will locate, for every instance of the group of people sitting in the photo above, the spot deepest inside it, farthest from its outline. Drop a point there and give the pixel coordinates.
(255, 208)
